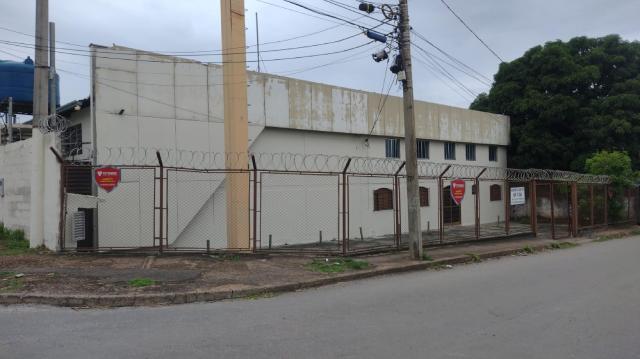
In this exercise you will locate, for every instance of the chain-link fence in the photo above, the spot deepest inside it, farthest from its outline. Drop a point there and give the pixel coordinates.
(323, 204)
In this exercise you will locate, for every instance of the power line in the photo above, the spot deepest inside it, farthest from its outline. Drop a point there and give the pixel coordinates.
(30, 46)
(218, 51)
(462, 70)
(347, 7)
(190, 54)
(430, 68)
(448, 75)
(471, 30)
(451, 57)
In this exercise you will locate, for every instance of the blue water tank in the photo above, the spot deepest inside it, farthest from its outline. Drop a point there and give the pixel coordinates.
(16, 80)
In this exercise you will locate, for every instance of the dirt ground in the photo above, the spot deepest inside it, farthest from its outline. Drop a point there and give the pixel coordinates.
(80, 273)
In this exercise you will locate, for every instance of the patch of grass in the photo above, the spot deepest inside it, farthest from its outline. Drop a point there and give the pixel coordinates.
(336, 265)
(11, 285)
(474, 257)
(635, 232)
(426, 257)
(609, 237)
(141, 282)
(260, 296)
(528, 249)
(13, 242)
(7, 274)
(563, 245)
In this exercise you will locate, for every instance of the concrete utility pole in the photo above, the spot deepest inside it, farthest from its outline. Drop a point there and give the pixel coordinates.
(236, 122)
(40, 113)
(413, 195)
(52, 69)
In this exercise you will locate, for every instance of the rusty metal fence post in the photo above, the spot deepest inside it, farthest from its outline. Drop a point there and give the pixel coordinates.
(255, 203)
(606, 205)
(161, 206)
(476, 183)
(397, 209)
(440, 206)
(534, 207)
(574, 209)
(345, 245)
(507, 207)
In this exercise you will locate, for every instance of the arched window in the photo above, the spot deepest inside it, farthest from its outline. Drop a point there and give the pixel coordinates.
(495, 192)
(424, 197)
(382, 199)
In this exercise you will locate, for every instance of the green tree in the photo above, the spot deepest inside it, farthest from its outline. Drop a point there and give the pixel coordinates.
(616, 165)
(568, 100)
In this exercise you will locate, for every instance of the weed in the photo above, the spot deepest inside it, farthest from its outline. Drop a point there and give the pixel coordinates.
(609, 237)
(7, 274)
(426, 257)
(528, 249)
(11, 285)
(337, 265)
(635, 232)
(141, 282)
(260, 296)
(563, 245)
(12, 242)
(474, 257)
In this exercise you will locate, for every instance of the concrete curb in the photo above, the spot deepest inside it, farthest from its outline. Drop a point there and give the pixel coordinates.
(134, 300)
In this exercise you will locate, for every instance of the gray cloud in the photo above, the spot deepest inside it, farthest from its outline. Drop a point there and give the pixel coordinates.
(510, 27)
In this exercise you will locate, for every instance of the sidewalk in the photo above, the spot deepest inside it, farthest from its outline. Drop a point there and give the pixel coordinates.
(92, 280)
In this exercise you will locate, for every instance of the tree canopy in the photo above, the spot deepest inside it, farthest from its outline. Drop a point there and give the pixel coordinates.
(568, 100)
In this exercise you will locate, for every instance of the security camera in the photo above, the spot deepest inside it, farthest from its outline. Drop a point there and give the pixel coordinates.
(380, 56)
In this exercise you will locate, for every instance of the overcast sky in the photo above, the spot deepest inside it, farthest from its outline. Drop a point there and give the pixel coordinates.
(510, 27)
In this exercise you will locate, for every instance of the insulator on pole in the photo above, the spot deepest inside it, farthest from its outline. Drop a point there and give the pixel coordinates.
(374, 35)
(369, 8)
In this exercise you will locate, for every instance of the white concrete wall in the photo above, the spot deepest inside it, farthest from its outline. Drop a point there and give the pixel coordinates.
(15, 169)
(15, 206)
(176, 104)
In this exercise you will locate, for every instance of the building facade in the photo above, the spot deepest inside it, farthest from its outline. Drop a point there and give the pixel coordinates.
(141, 101)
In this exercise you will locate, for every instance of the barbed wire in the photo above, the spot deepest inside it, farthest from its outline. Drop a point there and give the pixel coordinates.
(317, 163)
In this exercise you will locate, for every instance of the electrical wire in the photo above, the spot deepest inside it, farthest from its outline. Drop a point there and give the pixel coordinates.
(453, 66)
(471, 30)
(430, 43)
(29, 46)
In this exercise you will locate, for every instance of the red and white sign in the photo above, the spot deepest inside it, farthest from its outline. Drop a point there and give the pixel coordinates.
(457, 190)
(107, 178)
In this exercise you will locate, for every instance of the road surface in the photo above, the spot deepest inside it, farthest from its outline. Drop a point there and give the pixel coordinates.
(575, 303)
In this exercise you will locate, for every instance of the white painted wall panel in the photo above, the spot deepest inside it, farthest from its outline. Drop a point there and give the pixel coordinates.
(191, 91)
(156, 96)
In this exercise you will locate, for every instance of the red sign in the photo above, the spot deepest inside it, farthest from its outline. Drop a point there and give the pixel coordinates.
(107, 178)
(457, 191)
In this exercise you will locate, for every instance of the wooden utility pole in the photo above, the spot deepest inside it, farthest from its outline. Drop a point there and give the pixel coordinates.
(236, 122)
(413, 196)
(40, 113)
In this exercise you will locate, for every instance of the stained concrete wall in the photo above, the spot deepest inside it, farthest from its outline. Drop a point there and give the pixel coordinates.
(15, 169)
(143, 100)
(15, 206)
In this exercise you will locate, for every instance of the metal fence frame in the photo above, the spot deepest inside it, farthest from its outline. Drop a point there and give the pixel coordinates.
(346, 168)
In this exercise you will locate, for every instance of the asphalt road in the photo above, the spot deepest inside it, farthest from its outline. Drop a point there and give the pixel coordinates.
(576, 303)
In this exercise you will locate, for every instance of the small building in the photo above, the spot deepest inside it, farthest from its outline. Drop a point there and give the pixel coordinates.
(142, 102)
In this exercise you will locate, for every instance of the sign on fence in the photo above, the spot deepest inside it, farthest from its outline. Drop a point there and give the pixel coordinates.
(457, 190)
(107, 178)
(517, 196)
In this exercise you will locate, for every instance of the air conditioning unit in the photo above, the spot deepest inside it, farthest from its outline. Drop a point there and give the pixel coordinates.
(78, 226)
